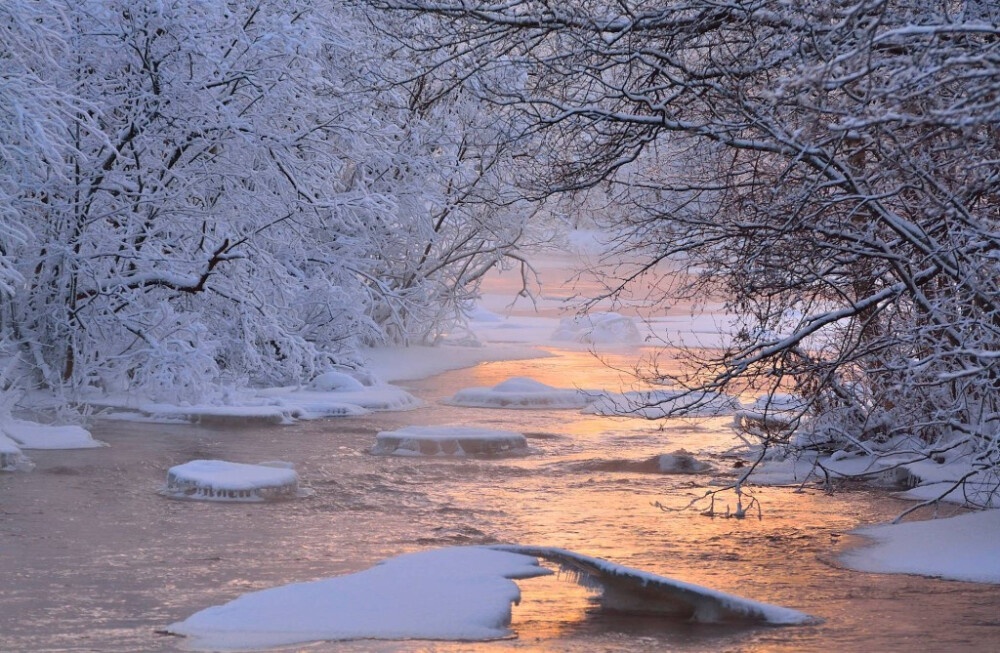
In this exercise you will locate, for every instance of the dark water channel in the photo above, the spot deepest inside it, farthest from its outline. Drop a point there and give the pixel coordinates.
(93, 559)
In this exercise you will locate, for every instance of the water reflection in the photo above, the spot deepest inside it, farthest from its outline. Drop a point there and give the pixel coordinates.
(92, 558)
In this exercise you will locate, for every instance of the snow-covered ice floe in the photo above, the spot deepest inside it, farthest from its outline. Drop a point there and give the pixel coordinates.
(657, 404)
(519, 392)
(336, 391)
(461, 593)
(966, 547)
(449, 441)
(31, 435)
(219, 480)
(11, 458)
(598, 329)
(625, 589)
(457, 593)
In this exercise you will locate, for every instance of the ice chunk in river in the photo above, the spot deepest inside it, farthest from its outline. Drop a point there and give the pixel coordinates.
(218, 480)
(657, 404)
(449, 441)
(461, 593)
(598, 329)
(624, 589)
(519, 392)
(458, 593)
(31, 435)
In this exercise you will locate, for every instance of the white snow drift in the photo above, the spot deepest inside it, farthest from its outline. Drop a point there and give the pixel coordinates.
(455, 593)
(219, 480)
(519, 392)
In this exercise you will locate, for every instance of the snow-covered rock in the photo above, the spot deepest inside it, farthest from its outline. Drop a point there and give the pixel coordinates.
(598, 329)
(966, 547)
(31, 435)
(448, 441)
(462, 593)
(656, 404)
(219, 480)
(519, 392)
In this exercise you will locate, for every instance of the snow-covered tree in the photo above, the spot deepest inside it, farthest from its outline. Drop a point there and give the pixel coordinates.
(221, 195)
(829, 167)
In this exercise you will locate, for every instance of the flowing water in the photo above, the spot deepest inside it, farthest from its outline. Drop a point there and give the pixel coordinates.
(93, 559)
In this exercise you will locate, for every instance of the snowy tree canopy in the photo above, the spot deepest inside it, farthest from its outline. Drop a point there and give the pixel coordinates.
(195, 194)
(829, 167)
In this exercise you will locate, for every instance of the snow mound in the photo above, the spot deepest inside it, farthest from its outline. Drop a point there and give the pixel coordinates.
(519, 392)
(461, 593)
(771, 415)
(449, 441)
(11, 458)
(631, 590)
(657, 404)
(30, 435)
(218, 480)
(336, 382)
(598, 329)
(965, 548)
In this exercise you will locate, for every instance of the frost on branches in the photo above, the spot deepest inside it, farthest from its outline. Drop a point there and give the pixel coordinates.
(830, 168)
(202, 194)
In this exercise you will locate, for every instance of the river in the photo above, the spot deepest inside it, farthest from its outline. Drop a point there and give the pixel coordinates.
(92, 558)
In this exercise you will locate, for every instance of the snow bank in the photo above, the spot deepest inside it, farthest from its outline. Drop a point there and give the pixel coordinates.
(448, 441)
(632, 590)
(30, 435)
(218, 480)
(657, 404)
(462, 593)
(598, 329)
(11, 458)
(966, 548)
(519, 392)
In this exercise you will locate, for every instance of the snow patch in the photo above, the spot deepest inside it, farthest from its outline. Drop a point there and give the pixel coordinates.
(448, 441)
(219, 480)
(519, 392)
(966, 547)
(461, 593)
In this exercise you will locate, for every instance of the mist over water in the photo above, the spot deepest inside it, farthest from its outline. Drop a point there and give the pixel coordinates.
(92, 558)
